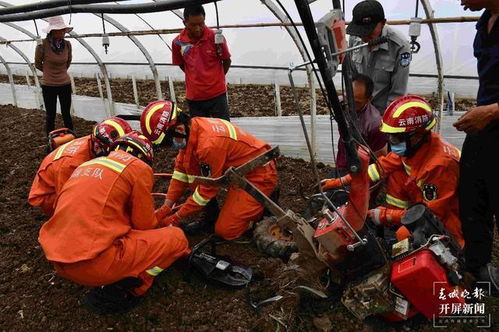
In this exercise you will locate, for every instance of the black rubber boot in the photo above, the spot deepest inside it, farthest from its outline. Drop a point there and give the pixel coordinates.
(114, 298)
(207, 224)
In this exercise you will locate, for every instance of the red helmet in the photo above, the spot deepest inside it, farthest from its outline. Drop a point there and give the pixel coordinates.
(408, 114)
(107, 132)
(136, 144)
(157, 118)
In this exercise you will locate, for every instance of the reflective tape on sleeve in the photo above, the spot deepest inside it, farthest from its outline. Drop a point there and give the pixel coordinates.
(396, 202)
(373, 173)
(200, 200)
(109, 163)
(154, 271)
(231, 129)
(61, 150)
(179, 176)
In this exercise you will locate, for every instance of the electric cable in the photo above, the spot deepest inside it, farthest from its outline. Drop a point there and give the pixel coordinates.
(307, 53)
(70, 12)
(216, 14)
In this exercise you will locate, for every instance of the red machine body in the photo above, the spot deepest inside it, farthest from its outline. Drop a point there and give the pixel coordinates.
(335, 235)
(59, 137)
(420, 277)
(339, 32)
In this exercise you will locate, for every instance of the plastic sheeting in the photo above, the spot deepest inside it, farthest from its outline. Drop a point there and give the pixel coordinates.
(260, 46)
(284, 131)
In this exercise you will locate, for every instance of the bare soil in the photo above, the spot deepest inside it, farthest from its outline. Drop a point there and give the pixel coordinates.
(244, 99)
(33, 297)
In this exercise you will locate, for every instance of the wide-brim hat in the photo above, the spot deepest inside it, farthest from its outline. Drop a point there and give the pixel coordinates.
(57, 23)
(366, 15)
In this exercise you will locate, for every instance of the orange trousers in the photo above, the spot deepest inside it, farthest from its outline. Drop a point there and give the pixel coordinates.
(240, 209)
(139, 254)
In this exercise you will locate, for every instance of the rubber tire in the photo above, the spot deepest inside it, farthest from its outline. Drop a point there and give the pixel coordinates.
(270, 245)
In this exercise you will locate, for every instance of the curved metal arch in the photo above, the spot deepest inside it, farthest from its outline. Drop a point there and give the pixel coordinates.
(294, 35)
(438, 58)
(141, 47)
(150, 26)
(28, 33)
(31, 66)
(110, 9)
(102, 66)
(11, 80)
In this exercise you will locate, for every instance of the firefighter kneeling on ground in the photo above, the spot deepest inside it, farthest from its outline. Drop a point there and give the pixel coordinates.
(208, 147)
(103, 231)
(57, 167)
(421, 168)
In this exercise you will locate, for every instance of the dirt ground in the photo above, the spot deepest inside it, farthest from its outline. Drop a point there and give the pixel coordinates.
(33, 297)
(244, 99)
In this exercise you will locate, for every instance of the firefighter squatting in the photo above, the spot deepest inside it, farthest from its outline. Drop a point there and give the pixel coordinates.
(386, 258)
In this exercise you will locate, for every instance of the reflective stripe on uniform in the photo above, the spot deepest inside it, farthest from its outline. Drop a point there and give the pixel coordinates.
(230, 127)
(396, 202)
(109, 163)
(154, 271)
(182, 177)
(200, 200)
(373, 173)
(61, 150)
(407, 168)
(179, 176)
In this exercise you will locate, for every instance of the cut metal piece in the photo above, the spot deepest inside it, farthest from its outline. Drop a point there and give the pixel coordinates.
(313, 291)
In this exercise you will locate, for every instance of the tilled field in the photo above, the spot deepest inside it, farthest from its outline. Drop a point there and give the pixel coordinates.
(244, 99)
(33, 297)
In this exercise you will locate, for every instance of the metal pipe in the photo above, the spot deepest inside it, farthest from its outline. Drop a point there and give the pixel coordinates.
(11, 80)
(48, 4)
(306, 16)
(33, 71)
(142, 49)
(438, 59)
(456, 77)
(108, 9)
(301, 48)
(150, 26)
(101, 65)
(238, 26)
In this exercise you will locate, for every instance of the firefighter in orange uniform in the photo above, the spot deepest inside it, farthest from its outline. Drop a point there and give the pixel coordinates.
(421, 168)
(208, 147)
(57, 167)
(103, 231)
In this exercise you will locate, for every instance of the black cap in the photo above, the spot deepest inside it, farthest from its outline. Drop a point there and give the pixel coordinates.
(366, 15)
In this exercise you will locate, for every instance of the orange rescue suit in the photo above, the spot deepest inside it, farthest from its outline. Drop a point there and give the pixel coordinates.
(103, 227)
(55, 170)
(214, 145)
(430, 176)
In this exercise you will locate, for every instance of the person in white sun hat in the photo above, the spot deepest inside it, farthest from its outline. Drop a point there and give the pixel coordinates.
(53, 57)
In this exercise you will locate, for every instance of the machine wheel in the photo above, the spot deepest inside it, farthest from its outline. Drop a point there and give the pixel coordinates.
(270, 239)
